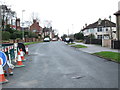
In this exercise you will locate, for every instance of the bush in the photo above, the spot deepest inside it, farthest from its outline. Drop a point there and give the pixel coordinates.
(79, 36)
(5, 35)
(13, 36)
(16, 34)
(32, 35)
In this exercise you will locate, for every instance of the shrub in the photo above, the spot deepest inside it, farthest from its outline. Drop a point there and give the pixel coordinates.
(79, 36)
(5, 35)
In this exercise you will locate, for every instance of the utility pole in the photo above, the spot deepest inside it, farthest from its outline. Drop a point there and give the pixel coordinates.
(23, 26)
(68, 32)
(110, 28)
(0, 26)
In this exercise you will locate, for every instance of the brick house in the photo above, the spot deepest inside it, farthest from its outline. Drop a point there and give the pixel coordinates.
(35, 27)
(48, 32)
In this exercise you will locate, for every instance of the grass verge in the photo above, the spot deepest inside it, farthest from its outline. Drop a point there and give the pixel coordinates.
(113, 56)
(70, 43)
(28, 43)
(79, 41)
(79, 46)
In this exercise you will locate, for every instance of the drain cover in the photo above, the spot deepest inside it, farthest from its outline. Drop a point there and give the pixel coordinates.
(77, 77)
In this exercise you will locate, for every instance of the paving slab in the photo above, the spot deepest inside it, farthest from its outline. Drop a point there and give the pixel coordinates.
(91, 48)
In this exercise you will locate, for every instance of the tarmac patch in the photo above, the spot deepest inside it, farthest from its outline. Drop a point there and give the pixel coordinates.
(74, 75)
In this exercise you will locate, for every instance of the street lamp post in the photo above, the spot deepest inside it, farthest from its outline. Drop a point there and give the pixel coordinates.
(110, 28)
(68, 32)
(0, 27)
(23, 26)
(117, 14)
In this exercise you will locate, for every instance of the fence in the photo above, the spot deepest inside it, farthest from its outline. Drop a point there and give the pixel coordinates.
(20, 40)
(115, 44)
(93, 41)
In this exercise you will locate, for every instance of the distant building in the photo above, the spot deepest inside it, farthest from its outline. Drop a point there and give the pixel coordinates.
(35, 27)
(48, 32)
(100, 29)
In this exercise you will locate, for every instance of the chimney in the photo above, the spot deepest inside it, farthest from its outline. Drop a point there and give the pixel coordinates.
(86, 25)
(34, 21)
(38, 23)
(83, 27)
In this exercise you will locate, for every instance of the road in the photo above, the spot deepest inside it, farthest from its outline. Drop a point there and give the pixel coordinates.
(56, 65)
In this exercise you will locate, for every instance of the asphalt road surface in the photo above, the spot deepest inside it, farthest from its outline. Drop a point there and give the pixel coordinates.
(56, 65)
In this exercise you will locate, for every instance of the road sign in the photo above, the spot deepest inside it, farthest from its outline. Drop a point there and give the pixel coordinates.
(3, 58)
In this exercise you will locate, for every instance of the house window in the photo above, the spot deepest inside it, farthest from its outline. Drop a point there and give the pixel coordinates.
(34, 30)
(99, 37)
(106, 29)
(92, 30)
(99, 29)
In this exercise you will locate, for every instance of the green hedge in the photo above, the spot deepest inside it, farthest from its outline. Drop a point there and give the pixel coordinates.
(5, 35)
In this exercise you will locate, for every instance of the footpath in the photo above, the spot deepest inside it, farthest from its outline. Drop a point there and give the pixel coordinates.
(91, 48)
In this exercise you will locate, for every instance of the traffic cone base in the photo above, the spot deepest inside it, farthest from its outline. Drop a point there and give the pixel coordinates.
(19, 65)
(2, 79)
(9, 72)
(23, 60)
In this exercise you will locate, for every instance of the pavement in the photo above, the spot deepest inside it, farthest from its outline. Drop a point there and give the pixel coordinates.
(91, 48)
(56, 65)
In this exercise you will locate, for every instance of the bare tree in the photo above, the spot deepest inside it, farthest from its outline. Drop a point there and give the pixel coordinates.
(35, 16)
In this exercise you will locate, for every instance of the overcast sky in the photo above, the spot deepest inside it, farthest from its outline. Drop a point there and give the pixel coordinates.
(65, 14)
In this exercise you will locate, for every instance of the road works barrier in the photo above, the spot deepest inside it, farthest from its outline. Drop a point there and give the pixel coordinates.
(11, 56)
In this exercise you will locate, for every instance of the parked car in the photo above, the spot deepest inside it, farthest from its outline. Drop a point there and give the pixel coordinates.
(46, 39)
(69, 40)
(54, 39)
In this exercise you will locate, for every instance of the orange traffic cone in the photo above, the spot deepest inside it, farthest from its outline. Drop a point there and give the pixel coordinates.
(27, 50)
(22, 55)
(2, 77)
(19, 61)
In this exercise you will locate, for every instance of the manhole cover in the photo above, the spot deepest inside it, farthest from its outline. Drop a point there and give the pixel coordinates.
(77, 77)
(74, 75)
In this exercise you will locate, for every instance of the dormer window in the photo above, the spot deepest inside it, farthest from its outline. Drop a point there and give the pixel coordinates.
(99, 29)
